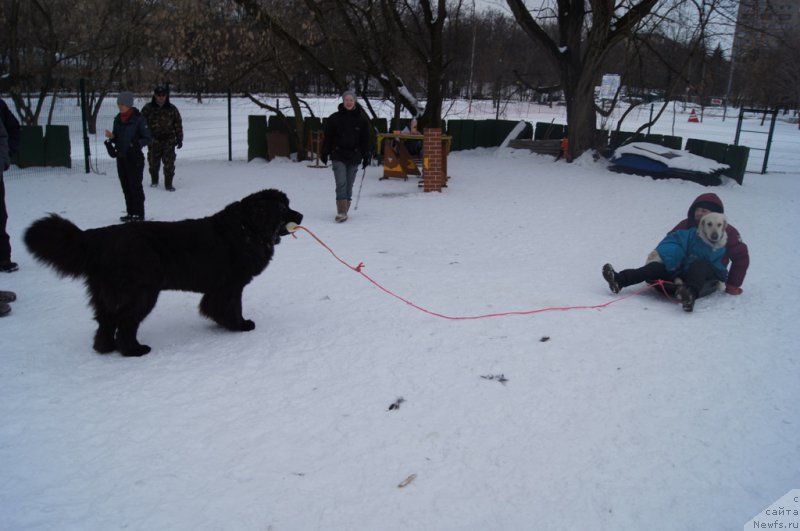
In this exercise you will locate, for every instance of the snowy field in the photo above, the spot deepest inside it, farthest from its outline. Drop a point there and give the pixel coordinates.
(634, 416)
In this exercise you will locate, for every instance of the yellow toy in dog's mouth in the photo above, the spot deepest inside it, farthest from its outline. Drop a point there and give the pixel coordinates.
(291, 226)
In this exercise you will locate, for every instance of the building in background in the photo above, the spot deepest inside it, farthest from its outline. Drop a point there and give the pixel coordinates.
(764, 66)
(765, 24)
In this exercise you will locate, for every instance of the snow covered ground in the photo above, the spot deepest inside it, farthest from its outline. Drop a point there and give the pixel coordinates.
(636, 416)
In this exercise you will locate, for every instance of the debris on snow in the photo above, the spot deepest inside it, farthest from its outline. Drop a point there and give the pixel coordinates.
(396, 404)
(498, 377)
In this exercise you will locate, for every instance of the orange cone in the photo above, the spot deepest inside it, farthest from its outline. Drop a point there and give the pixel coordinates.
(693, 119)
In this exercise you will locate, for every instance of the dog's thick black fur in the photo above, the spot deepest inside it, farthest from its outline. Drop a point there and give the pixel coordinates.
(125, 267)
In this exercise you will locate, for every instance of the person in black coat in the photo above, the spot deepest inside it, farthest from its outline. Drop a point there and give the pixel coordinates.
(11, 144)
(347, 137)
(125, 144)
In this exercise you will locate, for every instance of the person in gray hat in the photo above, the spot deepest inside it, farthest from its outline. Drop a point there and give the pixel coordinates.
(130, 134)
(347, 136)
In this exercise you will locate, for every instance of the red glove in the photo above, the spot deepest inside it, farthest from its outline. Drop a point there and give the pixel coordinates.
(733, 290)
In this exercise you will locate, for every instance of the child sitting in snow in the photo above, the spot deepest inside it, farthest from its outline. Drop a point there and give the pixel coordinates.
(691, 258)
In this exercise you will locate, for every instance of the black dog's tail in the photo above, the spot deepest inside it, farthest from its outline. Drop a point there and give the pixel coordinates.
(59, 243)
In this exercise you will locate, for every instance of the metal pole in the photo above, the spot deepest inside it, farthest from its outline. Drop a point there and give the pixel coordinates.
(739, 126)
(769, 140)
(728, 90)
(732, 68)
(230, 128)
(86, 152)
(358, 196)
(472, 58)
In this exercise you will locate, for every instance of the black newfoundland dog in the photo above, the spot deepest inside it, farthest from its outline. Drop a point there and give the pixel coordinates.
(126, 266)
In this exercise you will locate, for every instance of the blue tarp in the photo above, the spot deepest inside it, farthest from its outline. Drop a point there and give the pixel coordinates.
(641, 165)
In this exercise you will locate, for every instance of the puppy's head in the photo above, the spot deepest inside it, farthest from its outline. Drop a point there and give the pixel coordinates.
(712, 229)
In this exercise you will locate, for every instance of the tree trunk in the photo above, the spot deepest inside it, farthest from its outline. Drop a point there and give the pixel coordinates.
(432, 117)
(299, 126)
(581, 116)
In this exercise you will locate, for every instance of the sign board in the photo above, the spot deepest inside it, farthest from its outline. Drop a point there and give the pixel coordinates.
(609, 86)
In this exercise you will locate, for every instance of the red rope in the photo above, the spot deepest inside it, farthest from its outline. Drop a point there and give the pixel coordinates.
(360, 270)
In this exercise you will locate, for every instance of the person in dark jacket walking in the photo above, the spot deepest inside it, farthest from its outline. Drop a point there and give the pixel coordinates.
(130, 134)
(346, 144)
(10, 144)
(166, 126)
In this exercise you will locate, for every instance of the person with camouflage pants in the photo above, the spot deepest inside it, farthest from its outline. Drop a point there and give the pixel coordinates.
(166, 126)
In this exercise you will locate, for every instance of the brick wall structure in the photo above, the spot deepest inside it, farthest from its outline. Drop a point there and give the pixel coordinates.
(433, 172)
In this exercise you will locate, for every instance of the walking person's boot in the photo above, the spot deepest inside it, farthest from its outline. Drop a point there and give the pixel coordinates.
(341, 210)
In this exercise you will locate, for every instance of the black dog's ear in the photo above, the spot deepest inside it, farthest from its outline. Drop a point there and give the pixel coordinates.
(263, 213)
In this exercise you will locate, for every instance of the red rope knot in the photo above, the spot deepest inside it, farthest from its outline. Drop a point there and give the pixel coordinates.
(359, 267)
(661, 283)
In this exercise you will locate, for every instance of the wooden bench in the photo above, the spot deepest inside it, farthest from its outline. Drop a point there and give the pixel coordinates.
(542, 147)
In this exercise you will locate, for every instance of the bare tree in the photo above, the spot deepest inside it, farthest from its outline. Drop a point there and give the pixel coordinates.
(317, 45)
(381, 50)
(37, 44)
(208, 46)
(587, 30)
(114, 40)
(415, 52)
(52, 43)
(422, 26)
(766, 49)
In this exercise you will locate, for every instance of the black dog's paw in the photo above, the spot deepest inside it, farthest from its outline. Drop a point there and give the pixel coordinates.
(138, 350)
(247, 325)
(104, 345)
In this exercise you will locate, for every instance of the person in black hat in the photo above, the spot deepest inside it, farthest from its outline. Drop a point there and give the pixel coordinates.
(130, 134)
(165, 123)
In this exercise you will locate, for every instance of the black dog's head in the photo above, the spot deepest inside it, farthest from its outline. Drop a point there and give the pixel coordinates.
(267, 212)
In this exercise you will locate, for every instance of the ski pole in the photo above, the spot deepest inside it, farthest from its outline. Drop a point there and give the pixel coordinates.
(358, 195)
